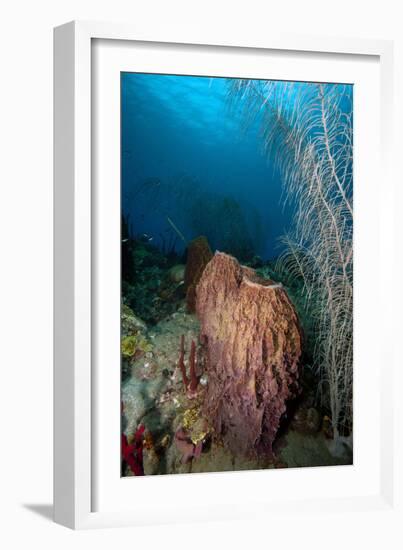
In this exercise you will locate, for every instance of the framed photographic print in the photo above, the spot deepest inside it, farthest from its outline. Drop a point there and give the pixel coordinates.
(212, 343)
(219, 229)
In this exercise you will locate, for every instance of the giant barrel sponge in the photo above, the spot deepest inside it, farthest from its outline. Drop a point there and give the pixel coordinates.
(253, 343)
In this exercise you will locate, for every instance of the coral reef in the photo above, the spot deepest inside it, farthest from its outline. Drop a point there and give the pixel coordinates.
(176, 430)
(154, 393)
(153, 284)
(177, 273)
(198, 256)
(186, 446)
(136, 403)
(151, 459)
(191, 383)
(253, 340)
(307, 421)
(192, 365)
(129, 322)
(193, 432)
(134, 344)
(181, 363)
(132, 453)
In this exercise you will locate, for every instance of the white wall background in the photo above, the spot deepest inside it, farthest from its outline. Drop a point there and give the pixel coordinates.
(26, 264)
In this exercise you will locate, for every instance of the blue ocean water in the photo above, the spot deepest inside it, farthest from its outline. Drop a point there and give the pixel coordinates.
(190, 167)
(242, 163)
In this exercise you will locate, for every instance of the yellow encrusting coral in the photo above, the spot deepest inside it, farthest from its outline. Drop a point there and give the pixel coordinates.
(195, 425)
(130, 322)
(133, 344)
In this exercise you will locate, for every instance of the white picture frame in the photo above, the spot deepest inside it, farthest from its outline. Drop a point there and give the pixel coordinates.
(77, 211)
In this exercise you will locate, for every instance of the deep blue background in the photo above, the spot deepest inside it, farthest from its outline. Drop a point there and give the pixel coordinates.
(180, 129)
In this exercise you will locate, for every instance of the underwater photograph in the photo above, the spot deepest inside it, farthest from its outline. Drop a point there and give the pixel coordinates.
(236, 274)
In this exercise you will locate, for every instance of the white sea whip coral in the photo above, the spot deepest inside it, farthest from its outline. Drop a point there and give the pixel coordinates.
(307, 132)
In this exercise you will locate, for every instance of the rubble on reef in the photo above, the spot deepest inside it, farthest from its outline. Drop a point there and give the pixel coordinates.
(253, 340)
(198, 256)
